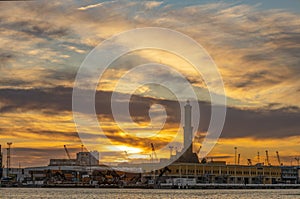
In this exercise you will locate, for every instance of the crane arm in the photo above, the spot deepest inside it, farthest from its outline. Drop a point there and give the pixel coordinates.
(267, 156)
(67, 152)
(249, 162)
(278, 157)
(153, 151)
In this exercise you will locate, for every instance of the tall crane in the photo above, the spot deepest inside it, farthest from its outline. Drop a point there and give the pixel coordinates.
(239, 157)
(267, 158)
(171, 151)
(235, 153)
(8, 158)
(153, 152)
(278, 158)
(258, 157)
(67, 152)
(249, 162)
(198, 151)
(126, 156)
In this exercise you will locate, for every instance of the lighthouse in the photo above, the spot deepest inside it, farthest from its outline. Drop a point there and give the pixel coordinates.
(188, 129)
(188, 156)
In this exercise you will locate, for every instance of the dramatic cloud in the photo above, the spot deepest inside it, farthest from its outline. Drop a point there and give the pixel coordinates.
(264, 123)
(256, 50)
(42, 45)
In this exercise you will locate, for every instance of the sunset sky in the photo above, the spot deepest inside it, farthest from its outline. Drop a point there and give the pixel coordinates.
(255, 45)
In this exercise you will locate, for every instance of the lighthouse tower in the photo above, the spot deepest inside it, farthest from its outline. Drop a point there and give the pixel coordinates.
(188, 129)
(188, 156)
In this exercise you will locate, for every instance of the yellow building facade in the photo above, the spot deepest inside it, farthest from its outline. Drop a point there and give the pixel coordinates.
(222, 173)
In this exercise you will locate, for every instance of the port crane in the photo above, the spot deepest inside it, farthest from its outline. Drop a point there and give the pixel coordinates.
(153, 153)
(171, 151)
(67, 152)
(267, 158)
(161, 173)
(126, 156)
(278, 158)
(198, 151)
(249, 162)
(235, 154)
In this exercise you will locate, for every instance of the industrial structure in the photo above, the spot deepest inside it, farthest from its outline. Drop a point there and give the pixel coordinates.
(186, 171)
(82, 159)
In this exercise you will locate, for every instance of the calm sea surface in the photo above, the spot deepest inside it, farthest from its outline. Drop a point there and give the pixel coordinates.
(144, 193)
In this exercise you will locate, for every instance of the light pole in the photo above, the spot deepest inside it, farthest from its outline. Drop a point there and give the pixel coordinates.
(235, 153)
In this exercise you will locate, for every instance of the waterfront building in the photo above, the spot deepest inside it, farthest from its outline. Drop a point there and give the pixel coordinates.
(290, 174)
(82, 159)
(220, 172)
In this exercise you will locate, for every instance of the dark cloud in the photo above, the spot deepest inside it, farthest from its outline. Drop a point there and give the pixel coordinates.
(13, 82)
(219, 157)
(61, 75)
(5, 57)
(58, 99)
(257, 57)
(36, 28)
(266, 123)
(43, 135)
(256, 79)
(54, 133)
(261, 123)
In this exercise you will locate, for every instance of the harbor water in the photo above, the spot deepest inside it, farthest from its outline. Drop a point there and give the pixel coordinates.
(29, 193)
